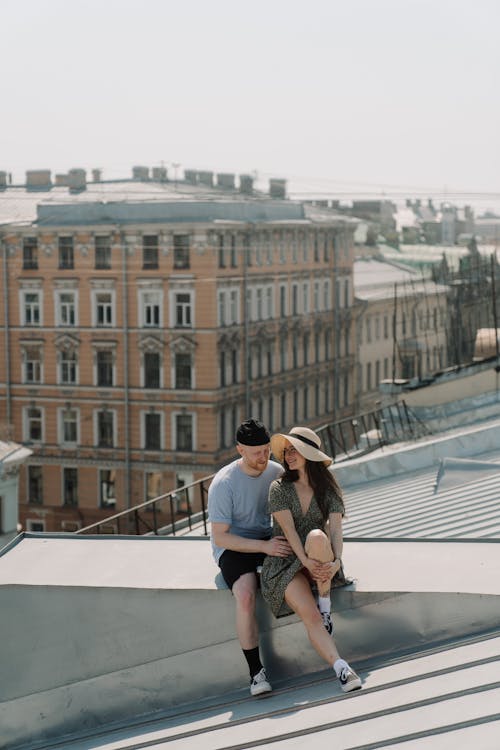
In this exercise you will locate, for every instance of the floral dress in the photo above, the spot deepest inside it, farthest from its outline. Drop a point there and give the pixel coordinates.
(277, 572)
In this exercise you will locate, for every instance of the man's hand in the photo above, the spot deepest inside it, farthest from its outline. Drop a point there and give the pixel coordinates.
(278, 547)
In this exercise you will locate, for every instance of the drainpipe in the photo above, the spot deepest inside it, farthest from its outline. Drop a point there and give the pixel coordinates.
(6, 336)
(246, 332)
(126, 399)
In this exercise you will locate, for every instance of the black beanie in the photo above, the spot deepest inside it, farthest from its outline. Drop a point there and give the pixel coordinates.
(252, 432)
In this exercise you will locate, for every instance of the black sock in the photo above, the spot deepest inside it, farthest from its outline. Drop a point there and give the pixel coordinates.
(253, 659)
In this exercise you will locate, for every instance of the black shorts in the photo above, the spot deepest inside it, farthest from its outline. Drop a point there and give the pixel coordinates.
(235, 564)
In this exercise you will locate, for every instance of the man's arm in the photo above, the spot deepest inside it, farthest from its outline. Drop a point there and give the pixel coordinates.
(276, 547)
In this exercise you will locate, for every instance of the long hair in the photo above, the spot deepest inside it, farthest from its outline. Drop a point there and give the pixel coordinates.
(321, 481)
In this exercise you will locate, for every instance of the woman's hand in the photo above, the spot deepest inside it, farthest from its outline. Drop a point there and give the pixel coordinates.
(323, 572)
(315, 568)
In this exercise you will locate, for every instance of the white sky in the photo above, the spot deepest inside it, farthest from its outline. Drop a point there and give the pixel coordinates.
(378, 93)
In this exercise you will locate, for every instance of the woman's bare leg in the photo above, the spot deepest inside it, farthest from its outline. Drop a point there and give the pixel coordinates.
(299, 597)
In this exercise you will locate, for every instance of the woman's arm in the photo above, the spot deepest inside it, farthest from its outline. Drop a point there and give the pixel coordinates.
(336, 535)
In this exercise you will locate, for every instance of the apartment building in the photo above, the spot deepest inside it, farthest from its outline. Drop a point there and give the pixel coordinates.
(144, 319)
(401, 324)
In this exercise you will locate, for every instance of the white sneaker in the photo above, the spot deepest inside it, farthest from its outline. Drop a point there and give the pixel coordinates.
(349, 680)
(259, 683)
(327, 622)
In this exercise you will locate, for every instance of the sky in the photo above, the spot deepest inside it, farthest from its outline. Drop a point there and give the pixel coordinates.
(366, 95)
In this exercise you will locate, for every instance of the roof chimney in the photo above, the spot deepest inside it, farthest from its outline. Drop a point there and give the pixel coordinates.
(277, 188)
(3, 180)
(206, 178)
(140, 173)
(38, 179)
(225, 180)
(191, 176)
(96, 175)
(77, 179)
(160, 174)
(62, 180)
(246, 184)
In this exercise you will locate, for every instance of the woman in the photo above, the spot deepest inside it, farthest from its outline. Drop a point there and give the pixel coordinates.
(304, 501)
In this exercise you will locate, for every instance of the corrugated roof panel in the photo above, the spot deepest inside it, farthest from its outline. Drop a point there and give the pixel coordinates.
(410, 507)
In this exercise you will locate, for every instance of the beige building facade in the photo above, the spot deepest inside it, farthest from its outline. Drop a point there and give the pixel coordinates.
(400, 327)
(136, 335)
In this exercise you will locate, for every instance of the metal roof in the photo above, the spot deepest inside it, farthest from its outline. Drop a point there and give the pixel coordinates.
(453, 499)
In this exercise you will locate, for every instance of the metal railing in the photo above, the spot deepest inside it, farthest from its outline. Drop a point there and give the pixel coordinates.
(183, 509)
(366, 432)
(165, 515)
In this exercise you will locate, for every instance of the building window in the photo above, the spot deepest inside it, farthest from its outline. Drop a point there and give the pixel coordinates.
(326, 295)
(327, 345)
(369, 376)
(34, 426)
(316, 248)
(66, 254)
(105, 368)
(282, 300)
(104, 309)
(183, 305)
(305, 344)
(222, 368)
(151, 309)
(66, 308)
(152, 369)
(234, 262)
(69, 426)
(268, 312)
(33, 364)
(269, 356)
(103, 253)
(305, 297)
(295, 299)
(105, 429)
(346, 293)
(183, 370)
(107, 488)
(283, 408)
(222, 251)
(68, 367)
(31, 309)
(222, 308)
(234, 306)
(283, 348)
(30, 253)
(150, 251)
(152, 431)
(181, 251)
(316, 297)
(184, 432)
(70, 486)
(35, 485)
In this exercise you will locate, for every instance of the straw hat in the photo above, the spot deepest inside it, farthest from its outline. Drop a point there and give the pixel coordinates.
(304, 440)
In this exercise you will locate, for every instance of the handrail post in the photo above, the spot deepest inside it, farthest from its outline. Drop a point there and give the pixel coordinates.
(155, 522)
(203, 511)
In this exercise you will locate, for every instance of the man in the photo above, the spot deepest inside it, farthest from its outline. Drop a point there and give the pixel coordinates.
(241, 534)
